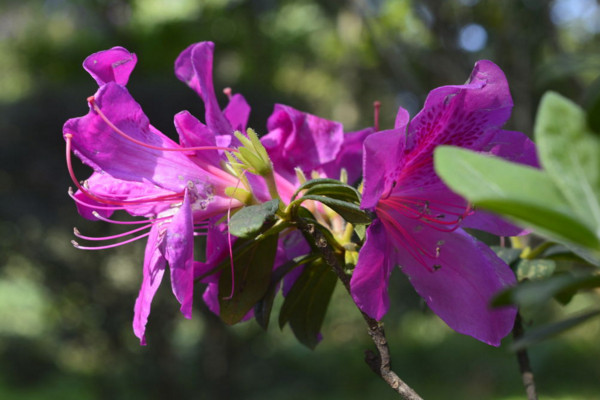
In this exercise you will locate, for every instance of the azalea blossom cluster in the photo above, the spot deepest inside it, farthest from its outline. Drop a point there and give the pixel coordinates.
(179, 192)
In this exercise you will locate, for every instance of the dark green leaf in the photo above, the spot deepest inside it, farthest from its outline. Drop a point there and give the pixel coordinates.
(314, 182)
(335, 191)
(525, 194)
(349, 211)
(262, 309)
(535, 269)
(305, 306)
(536, 335)
(252, 275)
(250, 220)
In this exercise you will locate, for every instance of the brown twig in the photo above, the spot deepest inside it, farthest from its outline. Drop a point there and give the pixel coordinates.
(524, 365)
(380, 363)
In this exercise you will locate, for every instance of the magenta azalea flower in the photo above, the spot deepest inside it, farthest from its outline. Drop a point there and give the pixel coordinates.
(418, 219)
(177, 188)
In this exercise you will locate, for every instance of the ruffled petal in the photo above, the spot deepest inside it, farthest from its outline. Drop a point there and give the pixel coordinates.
(193, 133)
(237, 112)
(179, 252)
(154, 268)
(349, 157)
(298, 139)
(99, 146)
(113, 65)
(468, 116)
(194, 67)
(369, 283)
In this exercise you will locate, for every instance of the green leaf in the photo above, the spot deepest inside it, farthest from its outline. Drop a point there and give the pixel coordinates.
(349, 211)
(570, 153)
(249, 221)
(525, 194)
(335, 191)
(262, 309)
(315, 182)
(251, 275)
(535, 269)
(536, 335)
(532, 293)
(305, 306)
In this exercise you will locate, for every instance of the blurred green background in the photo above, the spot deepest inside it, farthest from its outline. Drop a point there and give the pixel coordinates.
(65, 314)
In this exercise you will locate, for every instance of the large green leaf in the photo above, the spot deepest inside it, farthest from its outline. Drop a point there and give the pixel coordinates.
(524, 194)
(249, 221)
(251, 276)
(305, 306)
(570, 154)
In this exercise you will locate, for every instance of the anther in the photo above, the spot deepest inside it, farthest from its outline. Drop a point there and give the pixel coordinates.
(227, 92)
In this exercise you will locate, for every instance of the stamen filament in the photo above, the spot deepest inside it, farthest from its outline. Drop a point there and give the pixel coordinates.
(169, 197)
(100, 238)
(92, 102)
(109, 246)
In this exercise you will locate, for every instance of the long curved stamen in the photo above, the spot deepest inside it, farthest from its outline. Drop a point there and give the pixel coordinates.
(109, 246)
(94, 206)
(112, 221)
(120, 235)
(230, 245)
(227, 92)
(169, 197)
(92, 102)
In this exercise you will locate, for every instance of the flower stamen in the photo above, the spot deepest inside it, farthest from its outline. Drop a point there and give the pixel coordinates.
(92, 101)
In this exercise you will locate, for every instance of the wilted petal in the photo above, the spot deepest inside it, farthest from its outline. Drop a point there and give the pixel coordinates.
(154, 268)
(113, 65)
(369, 283)
(194, 67)
(179, 252)
(459, 281)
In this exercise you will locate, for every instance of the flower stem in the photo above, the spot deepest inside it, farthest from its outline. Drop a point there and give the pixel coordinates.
(524, 365)
(380, 363)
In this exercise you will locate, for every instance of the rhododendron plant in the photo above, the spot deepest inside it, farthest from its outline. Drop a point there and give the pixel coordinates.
(303, 207)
